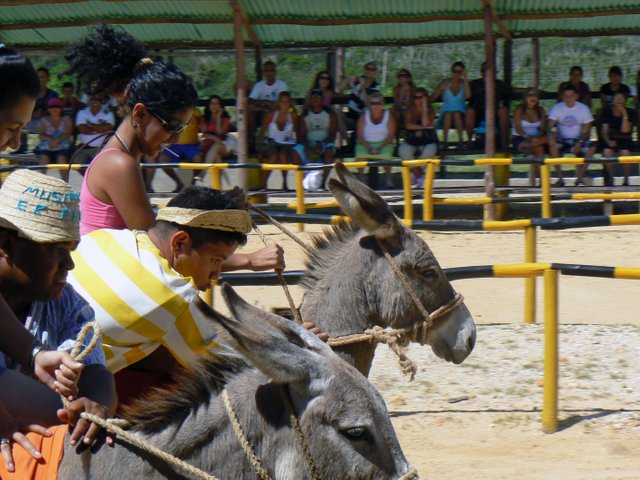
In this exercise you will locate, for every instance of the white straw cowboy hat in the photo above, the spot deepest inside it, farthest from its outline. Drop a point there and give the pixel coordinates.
(39, 207)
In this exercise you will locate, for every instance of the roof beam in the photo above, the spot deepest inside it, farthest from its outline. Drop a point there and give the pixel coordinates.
(246, 23)
(496, 19)
(114, 21)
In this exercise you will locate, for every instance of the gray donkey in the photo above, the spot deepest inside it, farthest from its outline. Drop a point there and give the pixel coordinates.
(350, 286)
(343, 418)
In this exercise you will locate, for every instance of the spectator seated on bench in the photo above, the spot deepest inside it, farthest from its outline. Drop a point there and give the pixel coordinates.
(376, 133)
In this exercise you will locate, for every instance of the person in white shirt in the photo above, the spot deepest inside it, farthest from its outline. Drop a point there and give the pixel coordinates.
(263, 96)
(92, 123)
(569, 132)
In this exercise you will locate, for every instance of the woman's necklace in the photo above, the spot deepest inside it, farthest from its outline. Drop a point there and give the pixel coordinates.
(126, 147)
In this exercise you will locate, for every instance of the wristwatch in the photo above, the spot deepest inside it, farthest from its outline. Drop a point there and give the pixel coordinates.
(37, 347)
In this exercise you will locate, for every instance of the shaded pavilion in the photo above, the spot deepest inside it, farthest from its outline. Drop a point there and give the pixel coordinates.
(331, 24)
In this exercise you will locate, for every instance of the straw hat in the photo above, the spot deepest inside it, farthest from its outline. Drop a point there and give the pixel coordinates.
(40, 208)
(227, 220)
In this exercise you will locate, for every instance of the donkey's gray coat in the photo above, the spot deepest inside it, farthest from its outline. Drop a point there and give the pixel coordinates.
(344, 419)
(351, 287)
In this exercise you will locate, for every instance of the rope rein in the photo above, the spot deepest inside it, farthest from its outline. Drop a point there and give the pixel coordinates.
(115, 425)
(243, 440)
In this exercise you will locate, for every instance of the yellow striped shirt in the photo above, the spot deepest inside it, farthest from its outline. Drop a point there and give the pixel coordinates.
(140, 302)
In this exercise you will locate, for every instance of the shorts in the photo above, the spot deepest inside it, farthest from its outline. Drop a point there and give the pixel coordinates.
(54, 155)
(385, 154)
(565, 145)
(621, 144)
(299, 148)
(271, 147)
(182, 151)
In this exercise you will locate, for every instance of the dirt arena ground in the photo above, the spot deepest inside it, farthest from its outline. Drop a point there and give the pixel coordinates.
(482, 419)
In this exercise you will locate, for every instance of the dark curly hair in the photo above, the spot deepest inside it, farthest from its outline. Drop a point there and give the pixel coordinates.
(18, 78)
(108, 60)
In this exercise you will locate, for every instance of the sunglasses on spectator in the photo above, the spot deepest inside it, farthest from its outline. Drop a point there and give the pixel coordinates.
(324, 77)
(371, 69)
(375, 103)
(417, 97)
(403, 75)
(457, 70)
(173, 126)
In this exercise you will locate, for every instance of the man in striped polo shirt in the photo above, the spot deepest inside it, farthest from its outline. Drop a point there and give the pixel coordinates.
(144, 286)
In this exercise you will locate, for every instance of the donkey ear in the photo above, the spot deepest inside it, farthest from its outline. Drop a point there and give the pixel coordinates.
(274, 356)
(246, 313)
(367, 209)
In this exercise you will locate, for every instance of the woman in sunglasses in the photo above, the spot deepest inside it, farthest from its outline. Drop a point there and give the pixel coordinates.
(453, 93)
(159, 101)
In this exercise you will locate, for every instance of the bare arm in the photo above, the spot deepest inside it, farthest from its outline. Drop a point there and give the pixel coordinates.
(267, 258)
(360, 132)
(517, 122)
(438, 91)
(333, 126)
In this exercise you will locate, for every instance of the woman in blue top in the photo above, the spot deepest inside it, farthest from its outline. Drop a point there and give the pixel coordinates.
(454, 92)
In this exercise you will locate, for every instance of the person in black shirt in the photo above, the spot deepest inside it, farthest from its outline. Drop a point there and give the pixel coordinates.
(617, 126)
(475, 114)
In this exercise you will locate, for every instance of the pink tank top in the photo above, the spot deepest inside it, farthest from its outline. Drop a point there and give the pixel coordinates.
(94, 213)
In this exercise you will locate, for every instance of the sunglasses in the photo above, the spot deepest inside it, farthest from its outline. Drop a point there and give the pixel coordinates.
(173, 126)
(417, 97)
(375, 103)
(403, 75)
(371, 69)
(322, 77)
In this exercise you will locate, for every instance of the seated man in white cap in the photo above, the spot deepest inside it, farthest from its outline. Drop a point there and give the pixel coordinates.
(144, 286)
(38, 230)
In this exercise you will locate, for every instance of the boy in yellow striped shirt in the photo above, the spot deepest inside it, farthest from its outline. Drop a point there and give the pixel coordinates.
(144, 286)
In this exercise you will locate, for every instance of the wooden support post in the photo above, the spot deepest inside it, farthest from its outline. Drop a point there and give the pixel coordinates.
(490, 112)
(241, 94)
(535, 61)
(257, 52)
(339, 72)
(508, 66)
(331, 61)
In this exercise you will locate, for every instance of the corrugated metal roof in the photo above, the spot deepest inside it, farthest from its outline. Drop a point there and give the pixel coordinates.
(190, 23)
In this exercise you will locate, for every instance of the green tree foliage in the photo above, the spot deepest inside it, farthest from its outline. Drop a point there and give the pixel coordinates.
(214, 72)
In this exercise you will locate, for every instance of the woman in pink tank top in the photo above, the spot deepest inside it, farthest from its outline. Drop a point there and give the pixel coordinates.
(159, 100)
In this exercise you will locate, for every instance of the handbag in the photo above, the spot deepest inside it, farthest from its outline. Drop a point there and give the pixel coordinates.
(418, 138)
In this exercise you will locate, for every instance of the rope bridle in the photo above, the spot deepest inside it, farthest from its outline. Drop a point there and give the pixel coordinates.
(396, 338)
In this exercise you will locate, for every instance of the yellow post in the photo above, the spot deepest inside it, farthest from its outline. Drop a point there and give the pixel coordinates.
(300, 207)
(550, 402)
(427, 205)
(408, 199)
(215, 174)
(530, 256)
(545, 183)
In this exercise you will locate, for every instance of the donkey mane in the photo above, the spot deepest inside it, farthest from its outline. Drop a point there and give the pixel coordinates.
(323, 254)
(188, 389)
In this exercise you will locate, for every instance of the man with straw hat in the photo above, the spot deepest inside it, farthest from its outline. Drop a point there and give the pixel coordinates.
(38, 230)
(144, 286)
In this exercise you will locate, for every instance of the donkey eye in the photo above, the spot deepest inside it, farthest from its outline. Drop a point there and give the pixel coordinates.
(354, 433)
(428, 273)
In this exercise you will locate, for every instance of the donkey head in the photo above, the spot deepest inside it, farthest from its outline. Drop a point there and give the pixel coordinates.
(452, 336)
(343, 418)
